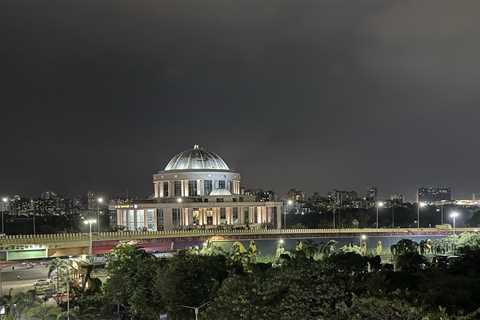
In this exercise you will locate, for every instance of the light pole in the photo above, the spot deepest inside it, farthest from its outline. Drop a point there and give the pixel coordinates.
(196, 309)
(99, 202)
(379, 205)
(420, 205)
(454, 215)
(4, 208)
(90, 222)
(289, 203)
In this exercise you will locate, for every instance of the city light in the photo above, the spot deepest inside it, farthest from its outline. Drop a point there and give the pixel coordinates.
(422, 204)
(179, 200)
(90, 221)
(363, 237)
(454, 214)
(290, 202)
(281, 241)
(100, 200)
(380, 204)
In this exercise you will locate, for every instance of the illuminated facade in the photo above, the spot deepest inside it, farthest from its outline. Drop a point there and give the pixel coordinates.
(197, 189)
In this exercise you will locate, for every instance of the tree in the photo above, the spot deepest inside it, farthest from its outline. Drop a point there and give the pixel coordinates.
(189, 280)
(411, 262)
(391, 308)
(297, 290)
(305, 249)
(348, 262)
(404, 246)
(130, 284)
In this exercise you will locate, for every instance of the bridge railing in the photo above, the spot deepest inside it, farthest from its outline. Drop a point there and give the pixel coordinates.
(134, 235)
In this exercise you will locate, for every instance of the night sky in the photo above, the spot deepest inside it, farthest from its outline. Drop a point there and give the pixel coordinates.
(313, 94)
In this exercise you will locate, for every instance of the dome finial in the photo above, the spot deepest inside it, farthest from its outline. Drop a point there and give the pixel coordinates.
(196, 147)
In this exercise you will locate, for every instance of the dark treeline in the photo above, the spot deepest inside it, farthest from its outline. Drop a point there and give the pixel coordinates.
(400, 216)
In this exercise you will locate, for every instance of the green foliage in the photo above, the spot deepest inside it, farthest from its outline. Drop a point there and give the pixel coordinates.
(190, 280)
(411, 262)
(391, 308)
(43, 312)
(403, 246)
(348, 262)
(130, 283)
(295, 291)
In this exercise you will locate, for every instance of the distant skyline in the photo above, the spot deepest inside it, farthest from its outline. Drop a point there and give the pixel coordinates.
(317, 95)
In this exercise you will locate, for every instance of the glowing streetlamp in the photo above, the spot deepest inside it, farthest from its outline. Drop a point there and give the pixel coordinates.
(454, 215)
(380, 204)
(4, 208)
(289, 204)
(100, 201)
(90, 222)
(281, 241)
(419, 206)
(179, 200)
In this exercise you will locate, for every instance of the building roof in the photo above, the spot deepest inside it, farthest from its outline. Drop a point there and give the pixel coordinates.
(196, 158)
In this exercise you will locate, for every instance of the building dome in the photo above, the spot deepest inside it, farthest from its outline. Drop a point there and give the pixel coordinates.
(220, 192)
(196, 159)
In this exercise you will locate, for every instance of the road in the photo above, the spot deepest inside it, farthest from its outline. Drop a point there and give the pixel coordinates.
(22, 277)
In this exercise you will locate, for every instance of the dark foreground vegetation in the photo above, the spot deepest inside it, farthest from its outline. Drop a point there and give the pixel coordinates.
(307, 282)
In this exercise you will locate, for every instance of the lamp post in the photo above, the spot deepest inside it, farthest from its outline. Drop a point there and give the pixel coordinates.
(379, 205)
(99, 202)
(196, 309)
(4, 207)
(420, 205)
(289, 203)
(454, 216)
(90, 222)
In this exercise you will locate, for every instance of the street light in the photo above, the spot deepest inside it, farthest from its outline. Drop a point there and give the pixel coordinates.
(419, 206)
(4, 208)
(179, 200)
(380, 204)
(99, 202)
(196, 309)
(454, 215)
(90, 222)
(289, 203)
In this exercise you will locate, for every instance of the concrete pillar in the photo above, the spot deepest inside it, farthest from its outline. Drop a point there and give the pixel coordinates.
(167, 219)
(155, 219)
(228, 212)
(160, 189)
(155, 188)
(279, 216)
(200, 188)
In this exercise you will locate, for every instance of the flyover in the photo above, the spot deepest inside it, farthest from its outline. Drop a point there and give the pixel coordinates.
(74, 244)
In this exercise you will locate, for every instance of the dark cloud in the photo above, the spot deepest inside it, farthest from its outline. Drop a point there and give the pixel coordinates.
(313, 94)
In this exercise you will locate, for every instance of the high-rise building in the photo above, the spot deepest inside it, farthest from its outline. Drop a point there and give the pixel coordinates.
(259, 194)
(397, 198)
(434, 194)
(344, 198)
(296, 195)
(372, 194)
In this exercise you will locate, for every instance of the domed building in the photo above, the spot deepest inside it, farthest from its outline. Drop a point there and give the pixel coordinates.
(197, 189)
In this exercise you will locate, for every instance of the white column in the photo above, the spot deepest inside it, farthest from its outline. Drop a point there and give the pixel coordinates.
(160, 189)
(155, 187)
